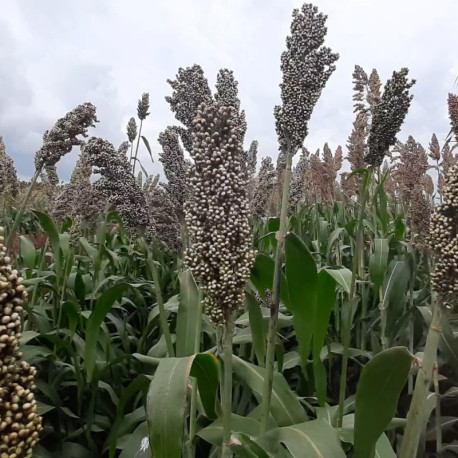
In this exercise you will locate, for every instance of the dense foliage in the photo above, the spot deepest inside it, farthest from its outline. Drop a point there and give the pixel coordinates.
(285, 312)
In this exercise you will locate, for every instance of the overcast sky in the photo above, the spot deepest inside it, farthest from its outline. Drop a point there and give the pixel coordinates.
(56, 54)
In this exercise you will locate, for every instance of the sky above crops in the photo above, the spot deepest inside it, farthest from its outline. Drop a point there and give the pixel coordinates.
(56, 54)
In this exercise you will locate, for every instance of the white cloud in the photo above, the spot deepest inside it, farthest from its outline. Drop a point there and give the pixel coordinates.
(56, 55)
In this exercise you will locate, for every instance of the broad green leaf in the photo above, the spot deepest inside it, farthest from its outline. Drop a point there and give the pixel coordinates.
(213, 433)
(377, 395)
(137, 443)
(146, 142)
(378, 262)
(102, 307)
(258, 333)
(326, 297)
(244, 447)
(342, 277)
(166, 400)
(27, 252)
(189, 315)
(313, 439)
(285, 407)
(302, 277)
(262, 275)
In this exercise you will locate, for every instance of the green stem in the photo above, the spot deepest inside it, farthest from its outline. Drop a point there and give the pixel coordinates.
(383, 317)
(358, 267)
(415, 416)
(438, 408)
(138, 144)
(275, 305)
(20, 212)
(411, 320)
(193, 408)
(160, 303)
(226, 400)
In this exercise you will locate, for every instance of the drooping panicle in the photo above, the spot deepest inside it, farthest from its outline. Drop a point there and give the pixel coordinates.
(388, 116)
(190, 89)
(117, 183)
(306, 66)
(173, 163)
(217, 212)
(443, 239)
(20, 424)
(64, 135)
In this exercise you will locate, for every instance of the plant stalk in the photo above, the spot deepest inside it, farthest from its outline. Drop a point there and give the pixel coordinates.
(138, 144)
(357, 270)
(415, 416)
(275, 305)
(226, 395)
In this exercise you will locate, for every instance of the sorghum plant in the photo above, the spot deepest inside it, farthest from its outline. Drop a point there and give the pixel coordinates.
(453, 112)
(388, 116)
(20, 424)
(173, 163)
(8, 176)
(443, 239)
(306, 66)
(142, 113)
(56, 143)
(220, 254)
(118, 184)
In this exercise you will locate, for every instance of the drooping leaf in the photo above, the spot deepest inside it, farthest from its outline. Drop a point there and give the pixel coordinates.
(313, 439)
(377, 395)
(285, 407)
(258, 333)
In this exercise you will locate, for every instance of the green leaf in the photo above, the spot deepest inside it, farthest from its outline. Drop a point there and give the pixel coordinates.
(213, 433)
(244, 447)
(258, 333)
(166, 400)
(377, 395)
(137, 443)
(49, 227)
(27, 252)
(285, 407)
(102, 307)
(302, 278)
(205, 370)
(378, 262)
(342, 277)
(262, 277)
(311, 439)
(189, 314)
(146, 142)
(326, 290)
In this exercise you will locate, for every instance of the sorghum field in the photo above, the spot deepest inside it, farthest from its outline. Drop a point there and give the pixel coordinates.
(234, 307)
